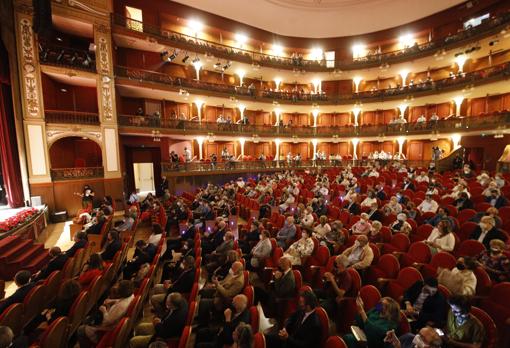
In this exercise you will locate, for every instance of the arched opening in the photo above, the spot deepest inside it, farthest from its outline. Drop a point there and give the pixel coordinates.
(75, 152)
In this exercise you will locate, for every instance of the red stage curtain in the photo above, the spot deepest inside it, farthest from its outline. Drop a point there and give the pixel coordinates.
(8, 146)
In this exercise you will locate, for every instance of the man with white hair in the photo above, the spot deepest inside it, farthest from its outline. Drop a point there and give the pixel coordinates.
(360, 255)
(428, 205)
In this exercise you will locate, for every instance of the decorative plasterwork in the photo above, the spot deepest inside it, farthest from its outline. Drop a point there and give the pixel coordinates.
(30, 76)
(54, 135)
(85, 7)
(102, 35)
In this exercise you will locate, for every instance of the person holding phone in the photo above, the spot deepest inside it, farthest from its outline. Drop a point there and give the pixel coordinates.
(427, 337)
(374, 324)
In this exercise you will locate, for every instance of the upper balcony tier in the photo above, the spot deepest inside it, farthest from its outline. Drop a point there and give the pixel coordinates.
(495, 122)
(474, 78)
(165, 36)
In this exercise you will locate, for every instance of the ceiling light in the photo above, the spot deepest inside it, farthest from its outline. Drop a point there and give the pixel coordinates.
(186, 57)
(359, 50)
(317, 53)
(277, 50)
(241, 39)
(195, 26)
(460, 60)
(406, 40)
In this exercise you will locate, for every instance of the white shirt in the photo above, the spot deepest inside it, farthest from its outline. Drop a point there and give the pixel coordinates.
(367, 202)
(468, 281)
(445, 243)
(428, 206)
(187, 155)
(422, 178)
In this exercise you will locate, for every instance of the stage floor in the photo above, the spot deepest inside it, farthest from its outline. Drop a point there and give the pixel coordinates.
(6, 211)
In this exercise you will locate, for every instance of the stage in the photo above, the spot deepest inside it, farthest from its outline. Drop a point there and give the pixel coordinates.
(32, 228)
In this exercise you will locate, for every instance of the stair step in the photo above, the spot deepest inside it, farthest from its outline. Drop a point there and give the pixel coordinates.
(7, 243)
(37, 262)
(16, 250)
(27, 254)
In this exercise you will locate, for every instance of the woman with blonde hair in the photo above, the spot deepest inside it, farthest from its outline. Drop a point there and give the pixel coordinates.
(375, 323)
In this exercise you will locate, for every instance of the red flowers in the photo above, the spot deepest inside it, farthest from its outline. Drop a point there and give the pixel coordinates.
(20, 218)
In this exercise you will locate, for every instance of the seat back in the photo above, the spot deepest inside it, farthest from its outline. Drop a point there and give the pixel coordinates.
(324, 321)
(117, 337)
(404, 326)
(78, 311)
(56, 334)
(335, 342)
(470, 248)
(94, 291)
(78, 261)
(390, 266)
(249, 292)
(356, 280)
(491, 331)
(52, 286)
(483, 281)
(259, 341)
(12, 317)
(191, 312)
(370, 296)
(34, 303)
(67, 271)
(183, 341)
(254, 319)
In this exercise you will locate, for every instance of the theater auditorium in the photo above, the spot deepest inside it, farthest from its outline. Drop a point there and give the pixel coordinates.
(255, 173)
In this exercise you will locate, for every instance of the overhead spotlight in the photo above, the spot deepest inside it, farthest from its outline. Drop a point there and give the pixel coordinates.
(217, 66)
(195, 60)
(172, 56)
(227, 65)
(493, 43)
(59, 39)
(186, 57)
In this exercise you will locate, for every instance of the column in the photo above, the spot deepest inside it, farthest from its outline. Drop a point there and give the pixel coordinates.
(355, 112)
(199, 104)
(401, 141)
(314, 143)
(277, 154)
(458, 104)
(355, 143)
(31, 96)
(315, 114)
(200, 142)
(241, 142)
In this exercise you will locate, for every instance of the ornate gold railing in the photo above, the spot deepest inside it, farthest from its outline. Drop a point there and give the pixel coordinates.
(72, 117)
(478, 77)
(59, 174)
(185, 42)
(446, 126)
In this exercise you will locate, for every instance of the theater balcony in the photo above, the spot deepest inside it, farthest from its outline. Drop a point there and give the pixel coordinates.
(497, 122)
(128, 27)
(135, 77)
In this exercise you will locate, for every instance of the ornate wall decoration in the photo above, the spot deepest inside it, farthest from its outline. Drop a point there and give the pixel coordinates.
(107, 99)
(30, 75)
(54, 135)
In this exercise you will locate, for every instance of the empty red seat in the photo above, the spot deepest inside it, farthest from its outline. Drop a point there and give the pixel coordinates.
(406, 277)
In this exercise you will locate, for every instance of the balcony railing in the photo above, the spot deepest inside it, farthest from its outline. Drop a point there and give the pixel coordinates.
(450, 125)
(477, 77)
(59, 174)
(72, 117)
(67, 57)
(269, 165)
(487, 27)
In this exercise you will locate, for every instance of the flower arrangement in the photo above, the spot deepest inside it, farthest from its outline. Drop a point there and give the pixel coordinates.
(20, 218)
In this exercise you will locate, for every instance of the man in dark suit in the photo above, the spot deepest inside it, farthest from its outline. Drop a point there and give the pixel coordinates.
(354, 207)
(182, 283)
(22, 281)
(57, 261)
(283, 286)
(487, 231)
(302, 329)
(162, 187)
(113, 244)
(463, 202)
(169, 325)
(408, 184)
(219, 255)
(374, 214)
(380, 194)
(496, 199)
(233, 316)
(425, 304)
(211, 241)
(144, 253)
(80, 241)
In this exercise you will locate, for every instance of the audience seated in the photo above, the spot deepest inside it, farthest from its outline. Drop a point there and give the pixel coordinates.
(144, 253)
(461, 280)
(169, 325)
(23, 284)
(375, 323)
(495, 262)
(57, 261)
(112, 246)
(426, 337)
(287, 233)
(92, 269)
(302, 328)
(300, 249)
(441, 238)
(337, 284)
(424, 305)
(360, 255)
(260, 252)
(487, 231)
(108, 315)
(80, 241)
(463, 329)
